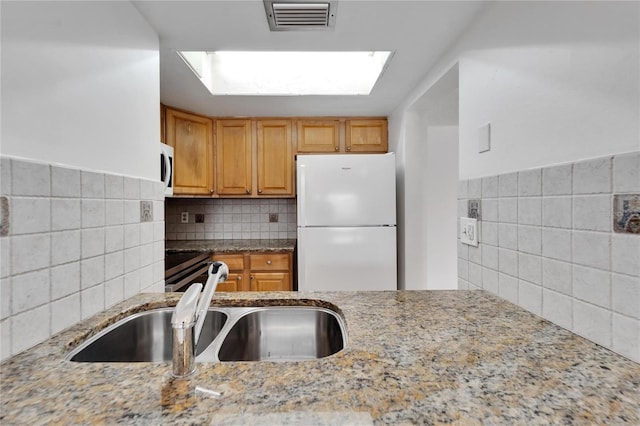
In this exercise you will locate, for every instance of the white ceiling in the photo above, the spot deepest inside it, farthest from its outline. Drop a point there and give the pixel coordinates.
(419, 32)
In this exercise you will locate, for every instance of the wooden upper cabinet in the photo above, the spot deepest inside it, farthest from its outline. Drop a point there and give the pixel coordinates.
(233, 157)
(191, 138)
(275, 157)
(366, 136)
(318, 136)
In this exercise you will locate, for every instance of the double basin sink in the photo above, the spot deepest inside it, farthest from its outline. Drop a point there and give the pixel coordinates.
(274, 333)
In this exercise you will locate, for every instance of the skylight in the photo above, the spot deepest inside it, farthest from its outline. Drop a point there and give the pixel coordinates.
(287, 73)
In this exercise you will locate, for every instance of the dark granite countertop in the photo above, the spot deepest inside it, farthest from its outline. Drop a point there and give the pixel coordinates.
(413, 357)
(228, 246)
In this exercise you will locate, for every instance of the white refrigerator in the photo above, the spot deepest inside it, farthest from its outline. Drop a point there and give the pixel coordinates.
(346, 222)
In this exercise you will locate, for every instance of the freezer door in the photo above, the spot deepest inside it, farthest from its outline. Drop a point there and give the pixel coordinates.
(336, 259)
(346, 190)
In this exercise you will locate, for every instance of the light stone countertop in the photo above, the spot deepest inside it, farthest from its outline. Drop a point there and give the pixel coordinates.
(413, 357)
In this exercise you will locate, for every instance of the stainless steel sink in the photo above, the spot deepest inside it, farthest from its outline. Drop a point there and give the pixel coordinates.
(283, 333)
(142, 337)
(275, 333)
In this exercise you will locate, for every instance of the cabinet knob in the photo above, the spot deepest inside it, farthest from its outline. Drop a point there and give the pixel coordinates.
(212, 191)
(248, 191)
(268, 262)
(251, 276)
(259, 191)
(348, 148)
(239, 278)
(337, 148)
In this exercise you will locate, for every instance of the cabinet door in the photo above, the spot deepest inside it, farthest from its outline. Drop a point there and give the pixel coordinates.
(275, 158)
(318, 136)
(366, 136)
(235, 282)
(233, 157)
(270, 281)
(191, 138)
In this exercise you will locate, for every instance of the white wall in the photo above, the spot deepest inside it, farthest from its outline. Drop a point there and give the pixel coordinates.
(428, 176)
(559, 82)
(80, 86)
(441, 181)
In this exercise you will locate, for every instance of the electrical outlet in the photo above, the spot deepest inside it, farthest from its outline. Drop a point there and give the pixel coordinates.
(473, 209)
(469, 231)
(273, 217)
(146, 211)
(184, 217)
(199, 218)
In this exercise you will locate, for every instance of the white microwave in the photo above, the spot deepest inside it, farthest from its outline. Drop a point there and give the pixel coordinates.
(166, 168)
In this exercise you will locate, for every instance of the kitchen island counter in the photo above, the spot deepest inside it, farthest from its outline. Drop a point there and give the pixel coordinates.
(423, 357)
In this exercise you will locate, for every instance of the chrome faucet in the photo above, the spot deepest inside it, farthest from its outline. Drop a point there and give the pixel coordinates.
(188, 319)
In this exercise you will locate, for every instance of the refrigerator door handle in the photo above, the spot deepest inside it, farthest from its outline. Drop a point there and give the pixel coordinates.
(302, 264)
(303, 195)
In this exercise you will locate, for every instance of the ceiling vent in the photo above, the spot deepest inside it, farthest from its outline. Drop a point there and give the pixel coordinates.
(299, 16)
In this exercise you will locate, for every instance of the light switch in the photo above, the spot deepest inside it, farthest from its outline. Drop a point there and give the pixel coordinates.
(469, 231)
(484, 138)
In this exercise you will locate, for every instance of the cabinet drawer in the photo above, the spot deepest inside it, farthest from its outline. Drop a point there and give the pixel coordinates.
(235, 262)
(269, 262)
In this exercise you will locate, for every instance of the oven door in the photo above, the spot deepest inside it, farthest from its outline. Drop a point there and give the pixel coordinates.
(184, 269)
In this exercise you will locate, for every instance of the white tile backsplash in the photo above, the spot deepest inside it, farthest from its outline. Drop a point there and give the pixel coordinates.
(93, 213)
(563, 262)
(530, 239)
(626, 173)
(92, 242)
(530, 297)
(65, 312)
(65, 182)
(556, 243)
(508, 236)
(508, 288)
(592, 212)
(557, 180)
(530, 211)
(625, 295)
(530, 268)
(508, 210)
(57, 263)
(236, 218)
(557, 276)
(489, 187)
(29, 290)
(92, 184)
(626, 336)
(65, 214)
(530, 183)
(65, 247)
(32, 252)
(592, 322)
(557, 308)
(625, 254)
(592, 249)
(592, 285)
(556, 212)
(30, 179)
(508, 185)
(30, 215)
(592, 176)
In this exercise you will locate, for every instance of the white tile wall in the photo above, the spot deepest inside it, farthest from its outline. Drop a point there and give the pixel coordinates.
(558, 257)
(231, 219)
(60, 263)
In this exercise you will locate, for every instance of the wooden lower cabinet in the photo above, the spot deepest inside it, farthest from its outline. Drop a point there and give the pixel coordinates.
(250, 271)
